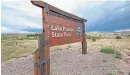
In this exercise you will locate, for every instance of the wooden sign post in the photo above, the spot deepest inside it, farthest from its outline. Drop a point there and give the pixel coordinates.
(59, 27)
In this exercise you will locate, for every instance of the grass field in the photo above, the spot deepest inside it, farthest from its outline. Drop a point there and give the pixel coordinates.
(17, 47)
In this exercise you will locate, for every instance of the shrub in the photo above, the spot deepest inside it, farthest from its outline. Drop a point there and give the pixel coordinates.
(107, 50)
(117, 55)
(118, 37)
(93, 38)
(110, 73)
(88, 37)
(111, 51)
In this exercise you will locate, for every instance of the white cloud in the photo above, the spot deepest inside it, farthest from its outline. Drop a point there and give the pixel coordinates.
(5, 29)
(122, 30)
(18, 19)
(95, 32)
(32, 25)
(70, 6)
(20, 22)
(19, 12)
(23, 7)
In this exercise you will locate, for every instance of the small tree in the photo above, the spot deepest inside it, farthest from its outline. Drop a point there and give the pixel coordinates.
(93, 38)
(118, 37)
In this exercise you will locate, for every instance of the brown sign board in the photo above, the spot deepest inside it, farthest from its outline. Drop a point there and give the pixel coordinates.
(59, 27)
(64, 31)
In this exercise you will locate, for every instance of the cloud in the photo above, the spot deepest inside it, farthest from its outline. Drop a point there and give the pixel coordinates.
(23, 16)
(95, 32)
(5, 29)
(16, 17)
(108, 16)
(122, 30)
(103, 10)
(19, 22)
(101, 15)
(24, 7)
(71, 6)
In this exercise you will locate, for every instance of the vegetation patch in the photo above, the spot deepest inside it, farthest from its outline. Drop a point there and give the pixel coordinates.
(107, 50)
(17, 48)
(88, 37)
(93, 39)
(117, 54)
(27, 37)
(110, 73)
(118, 37)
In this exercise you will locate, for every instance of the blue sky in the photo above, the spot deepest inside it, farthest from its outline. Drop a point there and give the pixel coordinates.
(102, 16)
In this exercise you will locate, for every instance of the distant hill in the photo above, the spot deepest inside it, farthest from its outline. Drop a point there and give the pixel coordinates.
(123, 33)
(110, 34)
(15, 34)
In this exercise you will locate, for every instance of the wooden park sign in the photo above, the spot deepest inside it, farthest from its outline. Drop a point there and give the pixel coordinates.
(59, 27)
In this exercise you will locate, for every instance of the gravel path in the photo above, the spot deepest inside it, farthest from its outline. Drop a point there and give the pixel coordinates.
(70, 62)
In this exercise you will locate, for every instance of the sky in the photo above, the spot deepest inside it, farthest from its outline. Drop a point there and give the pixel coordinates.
(102, 16)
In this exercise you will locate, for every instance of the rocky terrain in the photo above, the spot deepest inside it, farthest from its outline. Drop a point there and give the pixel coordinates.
(69, 61)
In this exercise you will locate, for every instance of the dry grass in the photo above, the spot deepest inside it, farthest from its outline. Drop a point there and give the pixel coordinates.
(119, 44)
(17, 48)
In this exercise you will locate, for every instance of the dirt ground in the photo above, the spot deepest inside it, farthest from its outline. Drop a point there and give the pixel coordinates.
(69, 60)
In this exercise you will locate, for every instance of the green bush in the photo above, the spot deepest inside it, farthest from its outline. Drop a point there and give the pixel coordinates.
(88, 37)
(111, 51)
(107, 50)
(27, 37)
(117, 55)
(110, 73)
(93, 38)
(118, 37)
